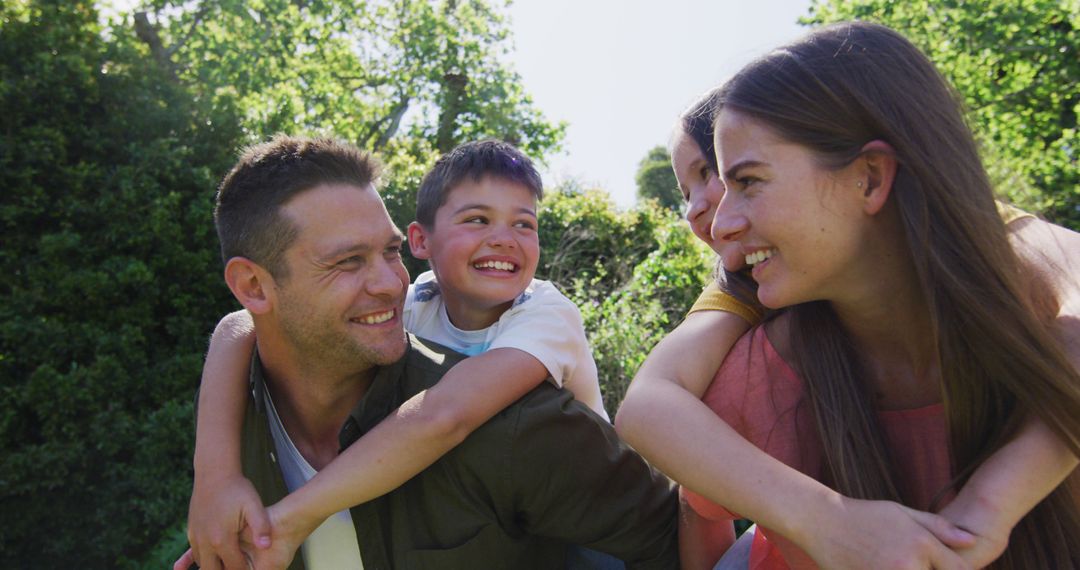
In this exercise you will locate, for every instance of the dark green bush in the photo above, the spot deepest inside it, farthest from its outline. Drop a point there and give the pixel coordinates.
(109, 283)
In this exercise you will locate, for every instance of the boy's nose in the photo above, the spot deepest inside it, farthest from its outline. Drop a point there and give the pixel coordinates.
(501, 236)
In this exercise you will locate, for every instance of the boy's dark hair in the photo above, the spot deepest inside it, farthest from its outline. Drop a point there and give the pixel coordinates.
(474, 160)
(248, 213)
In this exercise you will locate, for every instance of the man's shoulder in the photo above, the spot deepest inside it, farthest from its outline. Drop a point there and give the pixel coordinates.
(424, 355)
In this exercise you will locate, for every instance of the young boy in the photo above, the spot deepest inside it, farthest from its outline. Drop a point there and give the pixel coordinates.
(477, 226)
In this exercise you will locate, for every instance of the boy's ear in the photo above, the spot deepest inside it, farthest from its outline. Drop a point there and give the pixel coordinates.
(880, 173)
(418, 241)
(252, 285)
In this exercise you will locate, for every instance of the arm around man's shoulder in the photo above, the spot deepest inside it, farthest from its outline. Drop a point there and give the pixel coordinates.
(573, 479)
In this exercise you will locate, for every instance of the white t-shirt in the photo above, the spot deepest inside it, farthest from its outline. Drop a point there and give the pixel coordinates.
(542, 322)
(333, 545)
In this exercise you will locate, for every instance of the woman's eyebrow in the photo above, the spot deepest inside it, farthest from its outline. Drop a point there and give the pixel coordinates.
(730, 173)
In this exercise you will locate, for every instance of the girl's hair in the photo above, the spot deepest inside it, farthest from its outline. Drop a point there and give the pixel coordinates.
(697, 123)
(833, 91)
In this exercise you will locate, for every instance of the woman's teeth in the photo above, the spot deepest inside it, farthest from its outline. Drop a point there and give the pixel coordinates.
(500, 265)
(759, 256)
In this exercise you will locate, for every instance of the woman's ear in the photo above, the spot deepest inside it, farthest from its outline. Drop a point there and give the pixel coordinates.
(418, 241)
(252, 285)
(880, 172)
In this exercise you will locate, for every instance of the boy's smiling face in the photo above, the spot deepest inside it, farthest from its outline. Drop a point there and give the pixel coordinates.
(483, 248)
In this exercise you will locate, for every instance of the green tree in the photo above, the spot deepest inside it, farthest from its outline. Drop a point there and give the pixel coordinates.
(1016, 64)
(368, 70)
(656, 181)
(109, 284)
(113, 138)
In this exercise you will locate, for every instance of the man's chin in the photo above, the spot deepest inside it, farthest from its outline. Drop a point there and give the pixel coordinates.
(390, 353)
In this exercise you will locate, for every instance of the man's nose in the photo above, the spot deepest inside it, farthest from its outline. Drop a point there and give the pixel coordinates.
(386, 280)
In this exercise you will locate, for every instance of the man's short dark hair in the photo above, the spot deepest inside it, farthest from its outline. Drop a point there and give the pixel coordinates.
(248, 212)
(474, 161)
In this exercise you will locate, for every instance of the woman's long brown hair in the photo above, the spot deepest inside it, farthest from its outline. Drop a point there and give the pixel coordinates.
(833, 91)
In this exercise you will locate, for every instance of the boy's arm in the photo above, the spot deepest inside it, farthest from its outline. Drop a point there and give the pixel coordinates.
(222, 500)
(408, 441)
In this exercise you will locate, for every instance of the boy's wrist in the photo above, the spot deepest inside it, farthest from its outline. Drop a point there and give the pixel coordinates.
(290, 517)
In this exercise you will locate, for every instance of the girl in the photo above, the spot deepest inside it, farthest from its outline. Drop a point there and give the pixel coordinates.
(857, 99)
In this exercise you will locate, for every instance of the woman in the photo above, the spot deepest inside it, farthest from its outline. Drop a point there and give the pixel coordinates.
(843, 107)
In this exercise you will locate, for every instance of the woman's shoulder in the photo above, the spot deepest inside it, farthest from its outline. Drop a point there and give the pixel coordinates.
(755, 383)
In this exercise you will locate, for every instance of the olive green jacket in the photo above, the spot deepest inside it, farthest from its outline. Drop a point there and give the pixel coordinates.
(543, 474)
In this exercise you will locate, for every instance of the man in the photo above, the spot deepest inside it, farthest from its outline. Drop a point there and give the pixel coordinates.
(312, 254)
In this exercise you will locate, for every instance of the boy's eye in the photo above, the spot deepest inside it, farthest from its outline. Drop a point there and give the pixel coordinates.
(525, 224)
(476, 220)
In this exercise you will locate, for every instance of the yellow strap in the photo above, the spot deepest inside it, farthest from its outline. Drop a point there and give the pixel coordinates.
(714, 299)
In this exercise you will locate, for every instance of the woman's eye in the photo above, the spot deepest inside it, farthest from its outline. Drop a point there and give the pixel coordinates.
(705, 171)
(746, 181)
(525, 224)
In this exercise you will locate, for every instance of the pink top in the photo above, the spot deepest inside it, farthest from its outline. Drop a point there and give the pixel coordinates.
(761, 397)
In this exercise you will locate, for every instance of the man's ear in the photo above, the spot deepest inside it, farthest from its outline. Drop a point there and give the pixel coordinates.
(252, 285)
(418, 244)
(880, 173)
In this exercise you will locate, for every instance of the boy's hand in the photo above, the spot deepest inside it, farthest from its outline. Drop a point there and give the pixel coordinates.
(887, 535)
(288, 535)
(220, 509)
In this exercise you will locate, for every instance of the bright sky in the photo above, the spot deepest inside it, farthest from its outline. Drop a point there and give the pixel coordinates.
(620, 71)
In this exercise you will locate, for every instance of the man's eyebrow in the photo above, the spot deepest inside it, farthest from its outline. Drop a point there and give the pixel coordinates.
(344, 249)
(730, 173)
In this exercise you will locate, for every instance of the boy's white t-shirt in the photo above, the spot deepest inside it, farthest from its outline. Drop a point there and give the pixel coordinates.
(542, 322)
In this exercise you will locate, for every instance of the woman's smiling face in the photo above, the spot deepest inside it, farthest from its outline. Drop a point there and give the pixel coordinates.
(794, 221)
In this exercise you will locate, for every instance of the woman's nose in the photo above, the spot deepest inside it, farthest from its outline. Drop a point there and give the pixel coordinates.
(727, 224)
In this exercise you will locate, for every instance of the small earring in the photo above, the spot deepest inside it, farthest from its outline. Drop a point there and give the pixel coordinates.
(859, 185)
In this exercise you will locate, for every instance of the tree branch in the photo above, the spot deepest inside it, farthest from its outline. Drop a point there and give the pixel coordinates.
(146, 32)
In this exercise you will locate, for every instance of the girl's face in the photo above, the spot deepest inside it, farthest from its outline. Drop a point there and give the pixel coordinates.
(798, 224)
(701, 189)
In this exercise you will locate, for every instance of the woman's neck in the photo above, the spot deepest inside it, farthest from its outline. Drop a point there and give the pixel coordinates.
(888, 319)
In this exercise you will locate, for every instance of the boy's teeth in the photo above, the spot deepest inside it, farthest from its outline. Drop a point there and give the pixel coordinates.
(759, 256)
(377, 318)
(500, 265)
